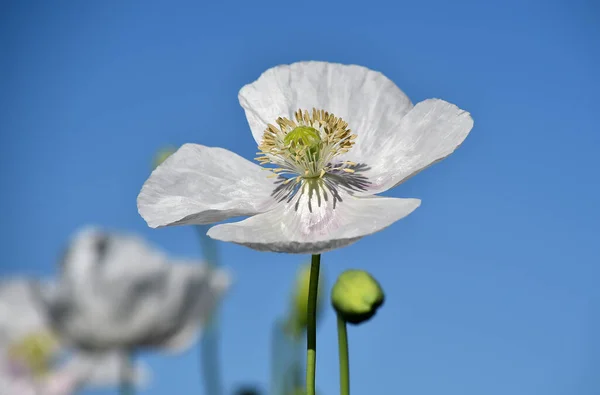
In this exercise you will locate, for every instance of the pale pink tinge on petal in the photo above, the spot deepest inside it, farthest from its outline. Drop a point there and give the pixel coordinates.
(61, 383)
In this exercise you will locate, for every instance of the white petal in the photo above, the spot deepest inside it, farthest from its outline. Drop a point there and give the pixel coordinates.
(430, 132)
(364, 98)
(118, 292)
(202, 185)
(318, 229)
(56, 384)
(21, 313)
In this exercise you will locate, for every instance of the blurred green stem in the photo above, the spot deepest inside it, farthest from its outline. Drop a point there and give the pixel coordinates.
(209, 345)
(344, 359)
(276, 360)
(208, 246)
(126, 386)
(311, 328)
(297, 363)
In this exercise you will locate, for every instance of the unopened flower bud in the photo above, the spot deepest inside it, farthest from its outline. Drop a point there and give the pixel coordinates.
(299, 311)
(356, 296)
(162, 155)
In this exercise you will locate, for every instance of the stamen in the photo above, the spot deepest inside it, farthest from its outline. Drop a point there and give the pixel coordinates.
(303, 151)
(307, 145)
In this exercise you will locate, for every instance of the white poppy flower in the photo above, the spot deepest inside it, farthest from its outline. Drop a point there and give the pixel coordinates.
(29, 352)
(334, 136)
(117, 292)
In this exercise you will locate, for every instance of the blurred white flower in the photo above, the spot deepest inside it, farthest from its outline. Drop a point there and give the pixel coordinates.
(334, 136)
(117, 292)
(30, 354)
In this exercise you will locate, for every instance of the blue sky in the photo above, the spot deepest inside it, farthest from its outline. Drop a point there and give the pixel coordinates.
(492, 284)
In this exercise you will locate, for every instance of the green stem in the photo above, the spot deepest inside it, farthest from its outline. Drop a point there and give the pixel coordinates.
(208, 246)
(210, 360)
(311, 329)
(344, 359)
(276, 360)
(126, 385)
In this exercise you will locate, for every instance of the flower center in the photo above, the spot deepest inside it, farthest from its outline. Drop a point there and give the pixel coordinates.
(304, 147)
(35, 351)
(303, 154)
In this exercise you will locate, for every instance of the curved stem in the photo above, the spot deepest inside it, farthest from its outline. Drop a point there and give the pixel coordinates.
(344, 359)
(311, 328)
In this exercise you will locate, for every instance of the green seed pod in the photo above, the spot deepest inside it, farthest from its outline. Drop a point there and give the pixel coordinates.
(304, 139)
(356, 296)
(299, 308)
(162, 155)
